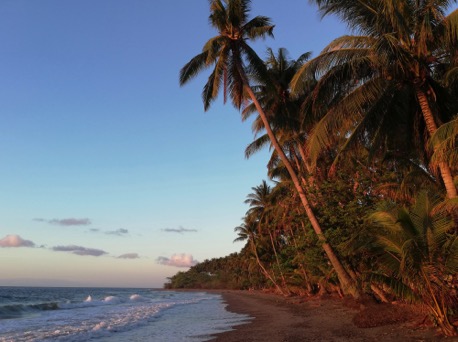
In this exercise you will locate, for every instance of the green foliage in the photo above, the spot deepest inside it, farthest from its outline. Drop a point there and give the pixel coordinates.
(383, 88)
(231, 272)
(416, 249)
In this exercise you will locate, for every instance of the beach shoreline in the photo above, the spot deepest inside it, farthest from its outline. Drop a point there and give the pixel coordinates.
(293, 319)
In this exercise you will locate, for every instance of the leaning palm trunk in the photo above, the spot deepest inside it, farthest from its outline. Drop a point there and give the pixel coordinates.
(347, 284)
(283, 280)
(432, 128)
(263, 269)
(379, 293)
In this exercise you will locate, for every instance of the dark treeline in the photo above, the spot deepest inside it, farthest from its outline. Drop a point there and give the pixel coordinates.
(362, 191)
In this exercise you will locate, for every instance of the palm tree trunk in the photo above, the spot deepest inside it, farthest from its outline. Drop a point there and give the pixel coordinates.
(431, 126)
(347, 284)
(300, 171)
(278, 264)
(379, 293)
(303, 155)
(263, 269)
(438, 309)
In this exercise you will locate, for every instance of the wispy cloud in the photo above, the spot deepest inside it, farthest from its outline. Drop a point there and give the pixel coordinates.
(78, 250)
(119, 232)
(15, 241)
(66, 221)
(179, 230)
(177, 260)
(129, 256)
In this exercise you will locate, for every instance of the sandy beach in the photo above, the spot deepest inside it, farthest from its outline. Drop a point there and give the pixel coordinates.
(322, 319)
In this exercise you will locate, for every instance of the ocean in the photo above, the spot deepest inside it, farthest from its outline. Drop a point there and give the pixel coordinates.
(111, 315)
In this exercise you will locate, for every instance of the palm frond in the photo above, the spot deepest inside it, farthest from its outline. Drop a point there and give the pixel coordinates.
(394, 58)
(343, 118)
(257, 145)
(213, 47)
(451, 29)
(451, 76)
(256, 65)
(451, 262)
(357, 15)
(237, 12)
(218, 15)
(259, 27)
(193, 67)
(396, 286)
(349, 50)
(444, 143)
(211, 88)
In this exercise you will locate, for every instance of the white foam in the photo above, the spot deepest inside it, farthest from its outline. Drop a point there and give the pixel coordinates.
(136, 297)
(112, 300)
(88, 299)
(114, 317)
(101, 325)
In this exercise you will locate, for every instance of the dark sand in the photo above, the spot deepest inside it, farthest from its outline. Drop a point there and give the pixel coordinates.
(303, 319)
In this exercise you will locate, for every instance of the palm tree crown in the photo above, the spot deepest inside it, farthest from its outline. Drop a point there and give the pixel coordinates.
(228, 51)
(384, 84)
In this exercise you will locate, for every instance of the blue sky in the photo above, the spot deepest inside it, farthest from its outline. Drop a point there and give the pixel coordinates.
(103, 155)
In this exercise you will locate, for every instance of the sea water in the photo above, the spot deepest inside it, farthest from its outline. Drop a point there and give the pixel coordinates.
(111, 314)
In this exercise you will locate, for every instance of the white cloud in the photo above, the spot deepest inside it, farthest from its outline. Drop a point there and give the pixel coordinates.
(178, 260)
(15, 241)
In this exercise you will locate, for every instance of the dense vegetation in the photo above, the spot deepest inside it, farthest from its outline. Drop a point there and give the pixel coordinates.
(362, 198)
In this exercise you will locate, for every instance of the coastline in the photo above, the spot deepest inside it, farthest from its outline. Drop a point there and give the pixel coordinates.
(294, 319)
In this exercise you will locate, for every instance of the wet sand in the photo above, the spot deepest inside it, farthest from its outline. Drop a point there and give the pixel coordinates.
(303, 319)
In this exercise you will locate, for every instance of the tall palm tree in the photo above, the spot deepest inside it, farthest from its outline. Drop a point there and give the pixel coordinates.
(233, 59)
(383, 84)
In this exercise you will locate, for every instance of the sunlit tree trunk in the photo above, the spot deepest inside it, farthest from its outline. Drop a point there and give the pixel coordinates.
(347, 284)
(263, 269)
(431, 126)
(278, 262)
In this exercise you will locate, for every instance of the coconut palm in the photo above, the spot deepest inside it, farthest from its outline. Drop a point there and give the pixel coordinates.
(262, 204)
(382, 84)
(282, 110)
(418, 251)
(248, 231)
(259, 201)
(232, 60)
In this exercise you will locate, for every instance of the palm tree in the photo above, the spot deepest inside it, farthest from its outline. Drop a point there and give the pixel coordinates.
(262, 204)
(233, 59)
(283, 111)
(417, 253)
(247, 231)
(383, 85)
